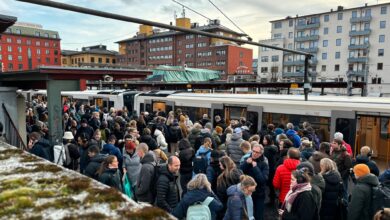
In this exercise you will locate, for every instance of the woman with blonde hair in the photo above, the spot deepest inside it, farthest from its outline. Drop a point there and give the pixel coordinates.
(240, 203)
(199, 189)
(329, 203)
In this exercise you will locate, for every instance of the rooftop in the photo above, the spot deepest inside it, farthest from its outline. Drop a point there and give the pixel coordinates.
(6, 21)
(32, 31)
(97, 49)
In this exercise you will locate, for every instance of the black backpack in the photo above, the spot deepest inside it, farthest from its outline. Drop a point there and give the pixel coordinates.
(200, 162)
(380, 198)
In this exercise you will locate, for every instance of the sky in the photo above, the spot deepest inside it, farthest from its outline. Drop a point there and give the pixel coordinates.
(79, 30)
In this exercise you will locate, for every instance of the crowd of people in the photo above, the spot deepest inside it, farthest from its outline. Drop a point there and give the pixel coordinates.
(176, 164)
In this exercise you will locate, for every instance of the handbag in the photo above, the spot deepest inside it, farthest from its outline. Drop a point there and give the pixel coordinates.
(127, 190)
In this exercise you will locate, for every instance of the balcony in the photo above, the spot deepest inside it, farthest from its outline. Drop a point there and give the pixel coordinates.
(360, 33)
(361, 19)
(358, 60)
(307, 38)
(309, 50)
(359, 46)
(308, 26)
(294, 63)
(359, 73)
(297, 74)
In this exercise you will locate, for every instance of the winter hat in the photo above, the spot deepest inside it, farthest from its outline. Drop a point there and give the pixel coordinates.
(237, 130)
(278, 131)
(84, 121)
(307, 165)
(68, 135)
(219, 129)
(130, 145)
(361, 170)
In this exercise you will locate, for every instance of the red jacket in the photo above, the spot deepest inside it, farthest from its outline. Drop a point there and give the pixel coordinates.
(282, 178)
(349, 149)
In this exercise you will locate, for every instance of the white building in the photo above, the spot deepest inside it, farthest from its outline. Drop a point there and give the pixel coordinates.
(347, 44)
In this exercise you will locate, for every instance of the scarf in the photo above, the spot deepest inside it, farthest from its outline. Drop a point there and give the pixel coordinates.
(293, 193)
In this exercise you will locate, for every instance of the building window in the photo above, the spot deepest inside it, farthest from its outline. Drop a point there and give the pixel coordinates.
(354, 14)
(337, 55)
(189, 46)
(47, 59)
(340, 16)
(326, 18)
(55, 52)
(241, 54)
(377, 80)
(100, 60)
(325, 43)
(47, 52)
(20, 66)
(380, 66)
(188, 55)
(10, 57)
(324, 56)
(290, 34)
(18, 41)
(203, 44)
(381, 52)
(381, 38)
(323, 68)
(107, 60)
(10, 66)
(37, 43)
(326, 30)
(290, 23)
(189, 36)
(220, 52)
(37, 34)
(290, 46)
(20, 49)
(28, 42)
(264, 69)
(277, 36)
(9, 40)
(92, 59)
(274, 69)
(20, 58)
(339, 29)
(38, 51)
(337, 67)
(9, 48)
(383, 10)
(46, 44)
(382, 25)
(264, 59)
(338, 42)
(56, 60)
(46, 35)
(278, 25)
(275, 58)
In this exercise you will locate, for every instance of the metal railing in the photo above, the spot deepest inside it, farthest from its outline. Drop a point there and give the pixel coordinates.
(12, 134)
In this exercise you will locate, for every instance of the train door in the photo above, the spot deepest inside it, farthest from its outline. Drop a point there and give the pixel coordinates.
(101, 102)
(147, 106)
(255, 116)
(217, 109)
(344, 122)
(373, 131)
(163, 106)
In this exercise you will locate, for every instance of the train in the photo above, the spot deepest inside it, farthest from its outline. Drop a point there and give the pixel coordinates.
(362, 120)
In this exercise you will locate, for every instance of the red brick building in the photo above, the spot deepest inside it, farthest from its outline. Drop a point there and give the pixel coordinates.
(27, 46)
(151, 48)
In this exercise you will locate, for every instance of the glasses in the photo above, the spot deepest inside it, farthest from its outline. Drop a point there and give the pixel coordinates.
(256, 152)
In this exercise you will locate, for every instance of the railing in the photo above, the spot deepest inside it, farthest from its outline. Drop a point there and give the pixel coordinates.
(358, 60)
(361, 19)
(360, 73)
(12, 134)
(360, 33)
(308, 26)
(307, 38)
(359, 46)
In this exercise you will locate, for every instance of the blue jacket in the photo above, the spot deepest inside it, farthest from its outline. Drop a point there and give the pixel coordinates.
(236, 205)
(202, 149)
(295, 138)
(385, 176)
(193, 196)
(259, 173)
(110, 149)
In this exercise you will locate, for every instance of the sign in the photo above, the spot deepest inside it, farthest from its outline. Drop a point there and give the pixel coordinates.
(294, 86)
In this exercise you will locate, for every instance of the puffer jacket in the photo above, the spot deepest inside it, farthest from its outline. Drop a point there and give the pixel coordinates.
(315, 160)
(133, 166)
(94, 165)
(186, 156)
(161, 142)
(142, 189)
(111, 177)
(361, 198)
(259, 173)
(167, 190)
(193, 136)
(236, 205)
(333, 186)
(282, 177)
(294, 137)
(233, 149)
(147, 139)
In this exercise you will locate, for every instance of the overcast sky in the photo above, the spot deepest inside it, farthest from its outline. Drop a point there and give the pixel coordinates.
(78, 30)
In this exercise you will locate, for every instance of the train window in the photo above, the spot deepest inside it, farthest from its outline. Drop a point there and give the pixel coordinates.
(235, 113)
(159, 106)
(253, 118)
(348, 128)
(141, 107)
(219, 112)
(195, 114)
(128, 101)
(148, 107)
(98, 102)
(110, 104)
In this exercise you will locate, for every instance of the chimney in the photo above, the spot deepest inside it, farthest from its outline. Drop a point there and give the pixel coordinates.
(340, 8)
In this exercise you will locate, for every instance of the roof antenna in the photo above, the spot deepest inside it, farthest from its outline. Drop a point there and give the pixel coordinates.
(184, 12)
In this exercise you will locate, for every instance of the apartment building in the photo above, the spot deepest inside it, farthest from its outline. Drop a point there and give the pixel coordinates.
(97, 54)
(346, 44)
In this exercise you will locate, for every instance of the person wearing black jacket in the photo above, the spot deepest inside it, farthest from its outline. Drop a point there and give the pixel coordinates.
(186, 156)
(271, 153)
(95, 162)
(213, 169)
(109, 173)
(37, 145)
(167, 190)
(148, 139)
(144, 181)
(256, 166)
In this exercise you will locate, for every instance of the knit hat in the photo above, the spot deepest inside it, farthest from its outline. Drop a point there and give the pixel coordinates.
(130, 145)
(237, 130)
(278, 131)
(218, 129)
(361, 170)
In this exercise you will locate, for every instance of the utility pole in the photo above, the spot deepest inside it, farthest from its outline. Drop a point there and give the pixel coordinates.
(306, 83)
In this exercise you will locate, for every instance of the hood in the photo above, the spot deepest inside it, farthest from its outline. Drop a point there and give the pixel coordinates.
(370, 179)
(236, 137)
(148, 158)
(233, 190)
(332, 177)
(44, 143)
(195, 131)
(99, 158)
(290, 132)
(385, 176)
(157, 132)
(197, 195)
(164, 171)
(362, 159)
(317, 156)
(291, 164)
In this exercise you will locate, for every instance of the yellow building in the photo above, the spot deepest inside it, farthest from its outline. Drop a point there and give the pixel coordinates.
(94, 55)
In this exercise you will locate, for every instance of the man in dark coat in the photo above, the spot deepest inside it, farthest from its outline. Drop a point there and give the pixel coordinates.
(96, 160)
(365, 158)
(167, 189)
(40, 147)
(84, 128)
(143, 191)
(256, 166)
(186, 156)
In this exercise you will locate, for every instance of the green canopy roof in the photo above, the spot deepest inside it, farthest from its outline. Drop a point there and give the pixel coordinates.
(183, 74)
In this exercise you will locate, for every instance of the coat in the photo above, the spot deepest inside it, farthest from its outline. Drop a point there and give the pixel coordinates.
(94, 165)
(194, 196)
(133, 166)
(111, 149)
(160, 139)
(259, 173)
(147, 139)
(111, 177)
(236, 205)
(233, 149)
(361, 198)
(234, 179)
(370, 163)
(343, 161)
(329, 209)
(143, 191)
(186, 156)
(167, 190)
(303, 208)
(282, 177)
(193, 136)
(315, 160)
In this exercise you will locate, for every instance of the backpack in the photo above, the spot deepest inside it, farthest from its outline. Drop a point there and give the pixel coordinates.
(200, 211)
(200, 162)
(380, 198)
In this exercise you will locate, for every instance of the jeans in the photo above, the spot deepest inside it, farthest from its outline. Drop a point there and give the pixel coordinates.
(345, 186)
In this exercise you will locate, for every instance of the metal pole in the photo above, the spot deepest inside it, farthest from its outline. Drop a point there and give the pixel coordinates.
(98, 13)
(306, 84)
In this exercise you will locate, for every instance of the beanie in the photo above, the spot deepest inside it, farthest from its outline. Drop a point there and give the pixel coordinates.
(307, 165)
(361, 170)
